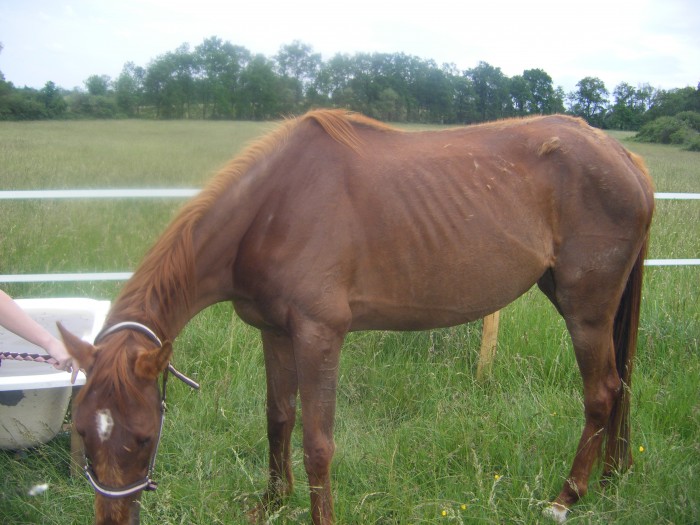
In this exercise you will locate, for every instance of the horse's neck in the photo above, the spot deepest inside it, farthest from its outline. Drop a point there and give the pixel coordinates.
(217, 239)
(160, 294)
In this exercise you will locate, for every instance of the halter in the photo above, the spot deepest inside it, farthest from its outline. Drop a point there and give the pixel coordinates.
(147, 482)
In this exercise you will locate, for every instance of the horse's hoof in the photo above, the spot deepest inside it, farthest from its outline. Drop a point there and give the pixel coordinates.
(557, 512)
(256, 515)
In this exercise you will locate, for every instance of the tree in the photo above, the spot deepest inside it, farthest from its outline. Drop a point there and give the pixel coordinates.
(128, 89)
(218, 69)
(682, 129)
(259, 95)
(673, 101)
(590, 101)
(545, 99)
(333, 77)
(93, 106)
(18, 104)
(169, 83)
(6, 89)
(97, 85)
(220, 80)
(465, 111)
(378, 84)
(53, 100)
(492, 97)
(433, 91)
(533, 94)
(388, 106)
(300, 66)
(182, 79)
(629, 107)
(521, 95)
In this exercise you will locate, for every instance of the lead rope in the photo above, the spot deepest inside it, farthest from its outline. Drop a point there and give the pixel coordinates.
(36, 358)
(47, 359)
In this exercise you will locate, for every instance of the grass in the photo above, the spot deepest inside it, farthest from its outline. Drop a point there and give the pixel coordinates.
(419, 440)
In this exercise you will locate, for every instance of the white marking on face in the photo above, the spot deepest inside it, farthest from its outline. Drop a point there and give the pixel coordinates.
(105, 424)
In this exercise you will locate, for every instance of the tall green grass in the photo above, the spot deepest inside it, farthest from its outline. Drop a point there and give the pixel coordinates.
(419, 440)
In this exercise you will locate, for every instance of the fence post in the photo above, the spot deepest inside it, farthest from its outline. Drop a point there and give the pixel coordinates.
(489, 340)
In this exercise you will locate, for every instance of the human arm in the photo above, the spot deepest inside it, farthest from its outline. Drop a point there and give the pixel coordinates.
(14, 319)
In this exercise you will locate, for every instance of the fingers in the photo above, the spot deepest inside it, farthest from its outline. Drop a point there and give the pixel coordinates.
(63, 360)
(68, 365)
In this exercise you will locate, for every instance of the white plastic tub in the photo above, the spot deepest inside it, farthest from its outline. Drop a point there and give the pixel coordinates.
(34, 397)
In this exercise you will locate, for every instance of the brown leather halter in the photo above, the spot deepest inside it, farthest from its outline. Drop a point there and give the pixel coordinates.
(146, 483)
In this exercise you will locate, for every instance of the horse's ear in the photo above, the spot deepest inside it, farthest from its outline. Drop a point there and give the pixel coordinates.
(81, 351)
(150, 363)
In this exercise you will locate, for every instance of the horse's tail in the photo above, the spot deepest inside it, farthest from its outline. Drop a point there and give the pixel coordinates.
(618, 453)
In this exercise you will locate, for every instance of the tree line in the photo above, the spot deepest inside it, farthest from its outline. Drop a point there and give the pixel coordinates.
(220, 80)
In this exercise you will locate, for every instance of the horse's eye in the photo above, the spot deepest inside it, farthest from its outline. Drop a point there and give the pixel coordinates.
(142, 441)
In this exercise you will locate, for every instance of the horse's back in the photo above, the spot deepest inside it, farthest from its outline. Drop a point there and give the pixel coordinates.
(457, 224)
(413, 230)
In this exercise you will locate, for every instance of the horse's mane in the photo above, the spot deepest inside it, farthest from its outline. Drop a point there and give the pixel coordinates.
(341, 126)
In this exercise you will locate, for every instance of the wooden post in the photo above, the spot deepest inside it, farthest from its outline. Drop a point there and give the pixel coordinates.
(489, 340)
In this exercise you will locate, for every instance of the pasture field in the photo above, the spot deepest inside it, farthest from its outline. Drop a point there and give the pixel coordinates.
(419, 440)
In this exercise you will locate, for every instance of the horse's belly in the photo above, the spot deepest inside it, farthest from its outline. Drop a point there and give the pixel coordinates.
(410, 317)
(439, 301)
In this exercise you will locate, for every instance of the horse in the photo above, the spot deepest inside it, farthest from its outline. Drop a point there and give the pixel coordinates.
(335, 222)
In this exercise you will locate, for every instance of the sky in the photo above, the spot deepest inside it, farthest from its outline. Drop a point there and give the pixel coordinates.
(654, 42)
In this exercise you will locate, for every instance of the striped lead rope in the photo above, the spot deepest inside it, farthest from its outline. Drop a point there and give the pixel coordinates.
(36, 358)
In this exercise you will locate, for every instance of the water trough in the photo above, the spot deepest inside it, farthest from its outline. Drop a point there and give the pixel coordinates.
(34, 397)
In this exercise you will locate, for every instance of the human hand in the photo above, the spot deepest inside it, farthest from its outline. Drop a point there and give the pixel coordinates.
(64, 361)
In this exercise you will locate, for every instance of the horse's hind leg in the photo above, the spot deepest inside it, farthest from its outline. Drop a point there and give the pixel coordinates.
(593, 346)
(280, 370)
(588, 301)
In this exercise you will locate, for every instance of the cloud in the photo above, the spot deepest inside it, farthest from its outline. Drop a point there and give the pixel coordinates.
(654, 41)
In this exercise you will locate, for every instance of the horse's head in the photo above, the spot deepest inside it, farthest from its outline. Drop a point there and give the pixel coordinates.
(118, 414)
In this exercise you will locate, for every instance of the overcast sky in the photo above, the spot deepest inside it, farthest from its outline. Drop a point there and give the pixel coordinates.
(633, 41)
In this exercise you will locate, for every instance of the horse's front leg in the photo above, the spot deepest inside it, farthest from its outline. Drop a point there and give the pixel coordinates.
(317, 350)
(280, 370)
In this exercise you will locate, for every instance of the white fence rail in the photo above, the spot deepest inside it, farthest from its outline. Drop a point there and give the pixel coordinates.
(98, 194)
(190, 192)
(150, 193)
(677, 196)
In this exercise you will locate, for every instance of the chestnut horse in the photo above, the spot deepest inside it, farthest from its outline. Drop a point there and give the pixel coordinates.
(335, 223)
